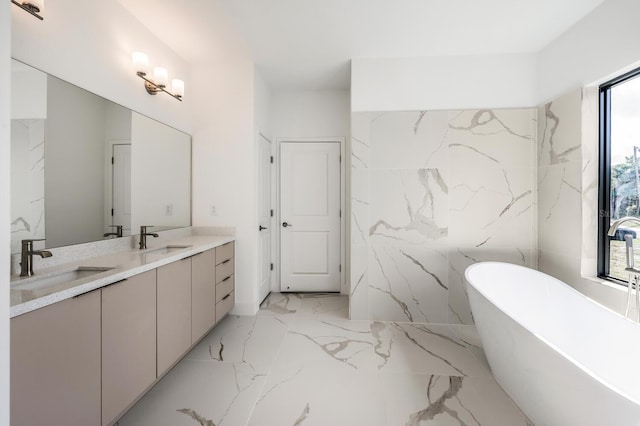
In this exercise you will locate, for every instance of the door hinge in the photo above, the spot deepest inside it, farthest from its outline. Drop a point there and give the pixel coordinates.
(340, 213)
(271, 212)
(271, 159)
(340, 158)
(112, 160)
(340, 268)
(111, 212)
(272, 266)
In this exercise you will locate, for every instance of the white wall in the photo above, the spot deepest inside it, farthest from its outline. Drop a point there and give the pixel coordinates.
(310, 114)
(224, 166)
(89, 43)
(443, 82)
(5, 235)
(262, 107)
(601, 44)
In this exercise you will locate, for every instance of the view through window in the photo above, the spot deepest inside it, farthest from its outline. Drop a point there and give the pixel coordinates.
(620, 171)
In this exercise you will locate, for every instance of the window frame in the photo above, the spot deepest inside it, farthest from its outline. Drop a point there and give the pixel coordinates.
(604, 173)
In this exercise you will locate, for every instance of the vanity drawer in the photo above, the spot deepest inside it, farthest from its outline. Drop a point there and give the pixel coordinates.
(224, 270)
(224, 287)
(224, 306)
(224, 252)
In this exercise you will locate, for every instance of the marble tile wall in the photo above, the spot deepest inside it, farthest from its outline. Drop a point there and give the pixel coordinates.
(431, 193)
(27, 181)
(560, 187)
(568, 195)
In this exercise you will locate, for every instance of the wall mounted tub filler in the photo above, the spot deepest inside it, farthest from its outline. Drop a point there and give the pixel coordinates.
(634, 274)
(26, 263)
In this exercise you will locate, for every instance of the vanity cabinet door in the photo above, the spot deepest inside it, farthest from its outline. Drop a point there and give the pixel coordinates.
(128, 342)
(55, 364)
(174, 312)
(203, 293)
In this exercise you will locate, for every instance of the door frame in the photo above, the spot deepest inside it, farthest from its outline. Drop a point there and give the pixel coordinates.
(108, 181)
(272, 223)
(276, 284)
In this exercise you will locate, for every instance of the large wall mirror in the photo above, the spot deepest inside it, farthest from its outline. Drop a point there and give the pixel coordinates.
(81, 164)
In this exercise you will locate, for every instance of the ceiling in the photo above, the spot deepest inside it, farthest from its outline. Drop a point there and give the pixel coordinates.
(307, 44)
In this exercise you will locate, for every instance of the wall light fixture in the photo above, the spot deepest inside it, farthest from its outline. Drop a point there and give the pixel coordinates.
(32, 6)
(160, 78)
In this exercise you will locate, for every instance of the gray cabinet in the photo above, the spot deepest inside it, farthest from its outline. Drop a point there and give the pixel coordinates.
(203, 293)
(128, 343)
(55, 364)
(225, 279)
(174, 313)
(86, 360)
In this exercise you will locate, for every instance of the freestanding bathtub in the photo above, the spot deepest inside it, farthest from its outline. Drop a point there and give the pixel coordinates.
(563, 358)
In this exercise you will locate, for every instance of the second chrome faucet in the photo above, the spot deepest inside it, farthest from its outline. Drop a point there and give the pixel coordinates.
(143, 236)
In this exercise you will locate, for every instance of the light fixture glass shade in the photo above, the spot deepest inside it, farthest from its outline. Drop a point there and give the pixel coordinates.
(177, 87)
(140, 62)
(160, 76)
(39, 4)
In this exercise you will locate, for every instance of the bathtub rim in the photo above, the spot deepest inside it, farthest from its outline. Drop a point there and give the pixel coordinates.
(575, 362)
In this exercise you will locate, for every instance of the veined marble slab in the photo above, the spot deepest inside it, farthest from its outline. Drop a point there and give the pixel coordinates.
(427, 183)
(279, 368)
(415, 400)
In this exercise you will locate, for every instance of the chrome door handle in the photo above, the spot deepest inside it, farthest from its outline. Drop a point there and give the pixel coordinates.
(285, 224)
(260, 228)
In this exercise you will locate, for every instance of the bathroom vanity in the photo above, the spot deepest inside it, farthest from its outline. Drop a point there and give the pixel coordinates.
(84, 351)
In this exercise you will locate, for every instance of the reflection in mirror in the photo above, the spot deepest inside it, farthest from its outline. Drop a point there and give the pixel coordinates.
(28, 115)
(82, 164)
(161, 178)
(80, 127)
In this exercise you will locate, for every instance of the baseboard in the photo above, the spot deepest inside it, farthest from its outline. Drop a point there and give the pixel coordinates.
(244, 309)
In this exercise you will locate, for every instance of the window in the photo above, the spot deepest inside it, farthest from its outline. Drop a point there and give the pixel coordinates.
(619, 172)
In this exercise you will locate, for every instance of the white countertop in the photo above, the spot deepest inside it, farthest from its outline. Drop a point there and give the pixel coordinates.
(125, 264)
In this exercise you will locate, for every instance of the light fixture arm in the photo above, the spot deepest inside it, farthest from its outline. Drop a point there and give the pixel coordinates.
(29, 7)
(153, 88)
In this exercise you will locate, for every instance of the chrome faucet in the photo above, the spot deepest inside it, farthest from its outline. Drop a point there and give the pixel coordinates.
(143, 236)
(26, 264)
(628, 239)
(634, 274)
(117, 234)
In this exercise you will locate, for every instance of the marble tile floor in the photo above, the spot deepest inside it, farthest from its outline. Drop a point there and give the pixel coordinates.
(300, 361)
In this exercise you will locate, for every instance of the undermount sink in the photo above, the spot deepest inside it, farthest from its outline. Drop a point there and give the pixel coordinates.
(165, 250)
(40, 282)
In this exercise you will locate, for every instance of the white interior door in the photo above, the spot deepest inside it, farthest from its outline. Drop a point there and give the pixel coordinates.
(310, 216)
(122, 187)
(264, 219)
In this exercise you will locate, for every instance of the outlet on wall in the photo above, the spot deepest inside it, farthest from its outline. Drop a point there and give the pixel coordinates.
(213, 211)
